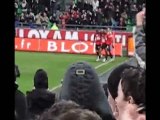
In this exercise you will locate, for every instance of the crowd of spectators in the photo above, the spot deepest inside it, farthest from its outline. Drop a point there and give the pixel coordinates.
(125, 98)
(94, 12)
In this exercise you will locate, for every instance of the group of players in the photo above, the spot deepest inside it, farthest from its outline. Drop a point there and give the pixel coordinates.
(104, 44)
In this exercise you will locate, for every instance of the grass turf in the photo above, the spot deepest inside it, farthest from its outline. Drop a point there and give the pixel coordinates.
(55, 65)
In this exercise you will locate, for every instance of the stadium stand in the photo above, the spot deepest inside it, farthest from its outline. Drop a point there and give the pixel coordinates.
(78, 13)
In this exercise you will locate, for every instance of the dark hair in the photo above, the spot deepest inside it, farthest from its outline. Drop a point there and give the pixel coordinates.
(105, 87)
(41, 79)
(114, 79)
(79, 114)
(133, 84)
(58, 109)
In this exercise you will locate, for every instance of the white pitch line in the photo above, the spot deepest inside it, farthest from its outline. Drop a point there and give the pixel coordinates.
(112, 68)
(95, 68)
(103, 64)
(56, 87)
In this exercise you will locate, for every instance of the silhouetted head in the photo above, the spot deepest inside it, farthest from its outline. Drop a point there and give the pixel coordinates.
(41, 79)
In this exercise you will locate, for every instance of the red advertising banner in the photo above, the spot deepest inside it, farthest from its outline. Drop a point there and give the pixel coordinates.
(65, 46)
(85, 35)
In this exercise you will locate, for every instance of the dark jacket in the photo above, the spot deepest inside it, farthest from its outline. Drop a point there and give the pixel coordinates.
(38, 100)
(20, 105)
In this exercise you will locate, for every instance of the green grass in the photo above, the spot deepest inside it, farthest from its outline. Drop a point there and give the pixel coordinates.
(54, 64)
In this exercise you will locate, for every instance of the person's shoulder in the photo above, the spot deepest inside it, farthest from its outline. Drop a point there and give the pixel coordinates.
(18, 92)
(30, 92)
(45, 92)
(20, 96)
(51, 94)
(131, 62)
(48, 96)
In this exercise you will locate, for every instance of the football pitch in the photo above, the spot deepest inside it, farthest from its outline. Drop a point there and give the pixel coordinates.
(55, 64)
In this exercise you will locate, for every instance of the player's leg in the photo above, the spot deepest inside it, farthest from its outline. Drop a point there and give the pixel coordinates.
(98, 52)
(105, 52)
(109, 51)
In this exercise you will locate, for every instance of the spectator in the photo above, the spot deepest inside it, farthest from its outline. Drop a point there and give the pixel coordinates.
(124, 15)
(114, 77)
(129, 25)
(68, 110)
(46, 11)
(122, 23)
(134, 10)
(117, 14)
(93, 22)
(95, 4)
(24, 6)
(79, 5)
(31, 16)
(100, 17)
(54, 27)
(79, 114)
(53, 19)
(22, 18)
(57, 15)
(39, 99)
(53, 6)
(58, 108)
(113, 82)
(16, 6)
(81, 84)
(84, 18)
(45, 18)
(38, 18)
(102, 4)
(131, 95)
(36, 6)
(17, 21)
(63, 18)
(139, 36)
(20, 100)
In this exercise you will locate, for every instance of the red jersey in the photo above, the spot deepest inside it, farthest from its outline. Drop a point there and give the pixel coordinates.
(109, 38)
(97, 38)
(103, 39)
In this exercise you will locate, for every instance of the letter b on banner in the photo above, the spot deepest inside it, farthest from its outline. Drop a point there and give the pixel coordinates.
(52, 46)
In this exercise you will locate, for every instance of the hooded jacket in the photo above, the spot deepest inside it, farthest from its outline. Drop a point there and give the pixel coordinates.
(81, 84)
